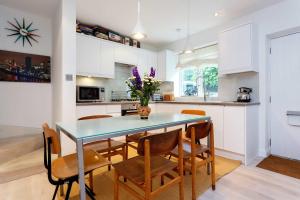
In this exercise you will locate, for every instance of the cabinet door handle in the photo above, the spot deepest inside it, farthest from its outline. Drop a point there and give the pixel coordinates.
(294, 113)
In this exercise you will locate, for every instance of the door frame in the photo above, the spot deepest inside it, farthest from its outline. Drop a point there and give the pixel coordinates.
(269, 39)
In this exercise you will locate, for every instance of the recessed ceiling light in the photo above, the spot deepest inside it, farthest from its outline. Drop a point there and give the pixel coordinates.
(216, 14)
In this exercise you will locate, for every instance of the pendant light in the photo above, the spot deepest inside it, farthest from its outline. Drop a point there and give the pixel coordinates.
(138, 31)
(188, 48)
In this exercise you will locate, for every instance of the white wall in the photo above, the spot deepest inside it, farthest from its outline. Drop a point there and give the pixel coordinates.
(276, 18)
(25, 104)
(64, 62)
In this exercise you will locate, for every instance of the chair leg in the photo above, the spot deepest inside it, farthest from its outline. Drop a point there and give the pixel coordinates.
(91, 181)
(208, 168)
(181, 189)
(90, 193)
(109, 159)
(69, 190)
(162, 180)
(55, 192)
(116, 186)
(90, 190)
(213, 174)
(126, 151)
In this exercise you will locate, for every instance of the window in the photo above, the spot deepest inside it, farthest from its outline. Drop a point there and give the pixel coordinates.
(199, 73)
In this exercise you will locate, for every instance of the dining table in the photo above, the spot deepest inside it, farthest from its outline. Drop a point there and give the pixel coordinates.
(86, 131)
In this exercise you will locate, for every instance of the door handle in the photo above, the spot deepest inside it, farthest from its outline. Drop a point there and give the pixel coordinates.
(293, 113)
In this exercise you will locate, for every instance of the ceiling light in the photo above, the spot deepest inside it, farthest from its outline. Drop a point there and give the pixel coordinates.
(216, 14)
(187, 51)
(138, 31)
(188, 48)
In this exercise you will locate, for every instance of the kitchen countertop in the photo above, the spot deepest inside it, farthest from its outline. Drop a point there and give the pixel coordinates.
(222, 103)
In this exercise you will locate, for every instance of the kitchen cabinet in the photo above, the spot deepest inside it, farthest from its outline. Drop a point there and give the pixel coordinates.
(234, 129)
(107, 62)
(146, 60)
(86, 110)
(237, 50)
(126, 54)
(95, 57)
(241, 131)
(87, 55)
(166, 65)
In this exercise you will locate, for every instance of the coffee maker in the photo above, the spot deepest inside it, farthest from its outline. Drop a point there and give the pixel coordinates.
(243, 95)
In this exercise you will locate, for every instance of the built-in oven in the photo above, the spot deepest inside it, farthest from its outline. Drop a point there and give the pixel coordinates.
(90, 94)
(130, 108)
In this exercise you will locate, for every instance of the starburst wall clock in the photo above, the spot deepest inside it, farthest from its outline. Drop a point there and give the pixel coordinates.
(22, 31)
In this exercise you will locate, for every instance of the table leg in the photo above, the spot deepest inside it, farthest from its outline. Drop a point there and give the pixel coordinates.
(80, 158)
(61, 188)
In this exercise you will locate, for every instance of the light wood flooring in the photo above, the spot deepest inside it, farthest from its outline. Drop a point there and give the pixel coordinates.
(244, 183)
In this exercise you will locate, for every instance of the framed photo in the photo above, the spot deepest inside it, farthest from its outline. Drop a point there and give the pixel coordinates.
(22, 67)
(134, 43)
(127, 41)
(115, 37)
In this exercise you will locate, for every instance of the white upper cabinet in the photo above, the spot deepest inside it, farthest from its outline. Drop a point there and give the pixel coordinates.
(237, 50)
(95, 57)
(88, 55)
(166, 65)
(146, 60)
(126, 54)
(107, 62)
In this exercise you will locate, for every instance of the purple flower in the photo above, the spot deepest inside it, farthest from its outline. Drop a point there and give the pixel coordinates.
(152, 72)
(137, 82)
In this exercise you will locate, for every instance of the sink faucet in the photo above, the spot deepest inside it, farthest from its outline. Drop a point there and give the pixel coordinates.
(203, 86)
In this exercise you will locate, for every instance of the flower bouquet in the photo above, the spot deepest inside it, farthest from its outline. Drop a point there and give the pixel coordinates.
(143, 89)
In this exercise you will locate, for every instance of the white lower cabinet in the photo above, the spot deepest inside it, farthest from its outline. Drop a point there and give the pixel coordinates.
(235, 128)
(86, 110)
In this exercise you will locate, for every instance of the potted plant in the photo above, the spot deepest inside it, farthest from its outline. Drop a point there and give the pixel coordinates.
(143, 89)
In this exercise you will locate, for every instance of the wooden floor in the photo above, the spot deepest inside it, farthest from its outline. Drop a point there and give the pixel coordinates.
(245, 183)
(254, 183)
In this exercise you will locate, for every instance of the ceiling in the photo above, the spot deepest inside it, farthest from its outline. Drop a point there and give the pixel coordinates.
(40, 7)
(160, 18)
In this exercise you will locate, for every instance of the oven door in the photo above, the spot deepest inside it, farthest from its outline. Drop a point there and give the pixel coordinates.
(88, 94)
(129, 112)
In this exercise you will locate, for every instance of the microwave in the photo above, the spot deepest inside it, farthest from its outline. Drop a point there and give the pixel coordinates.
(90, 94)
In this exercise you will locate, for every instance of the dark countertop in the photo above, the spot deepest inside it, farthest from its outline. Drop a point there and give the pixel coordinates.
(221, 103)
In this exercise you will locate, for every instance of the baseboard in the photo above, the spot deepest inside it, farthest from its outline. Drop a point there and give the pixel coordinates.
(263, 153)
(230, 155)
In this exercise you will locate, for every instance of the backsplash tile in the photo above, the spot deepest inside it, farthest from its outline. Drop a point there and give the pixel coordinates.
(122, 73)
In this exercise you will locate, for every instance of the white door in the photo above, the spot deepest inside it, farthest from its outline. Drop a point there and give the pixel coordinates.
(285, 95)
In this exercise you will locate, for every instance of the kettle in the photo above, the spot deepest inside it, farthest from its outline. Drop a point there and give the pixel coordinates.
(243, 95)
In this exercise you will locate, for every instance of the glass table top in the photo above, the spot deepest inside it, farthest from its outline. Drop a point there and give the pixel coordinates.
(118, 126)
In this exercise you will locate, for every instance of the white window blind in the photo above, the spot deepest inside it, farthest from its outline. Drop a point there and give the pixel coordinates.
(206, 55)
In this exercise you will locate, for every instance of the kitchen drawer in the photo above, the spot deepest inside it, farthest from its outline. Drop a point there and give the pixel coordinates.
(113, 109)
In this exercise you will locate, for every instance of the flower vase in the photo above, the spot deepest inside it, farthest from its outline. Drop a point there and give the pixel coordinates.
(144, 111)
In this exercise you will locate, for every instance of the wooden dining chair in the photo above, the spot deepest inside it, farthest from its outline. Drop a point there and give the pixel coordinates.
(192, 150)
(149, 164)
(107, 147)
(133, 139)
(193, 112)
(64, 169)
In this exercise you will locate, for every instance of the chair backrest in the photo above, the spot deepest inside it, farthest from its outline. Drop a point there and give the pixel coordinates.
(94, 117)
(193, 112)
(202, 130)
(50, 133)
(160, 144)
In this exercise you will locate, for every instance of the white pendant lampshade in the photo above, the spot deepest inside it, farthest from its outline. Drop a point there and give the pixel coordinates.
(188, 49)
(138, 31)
